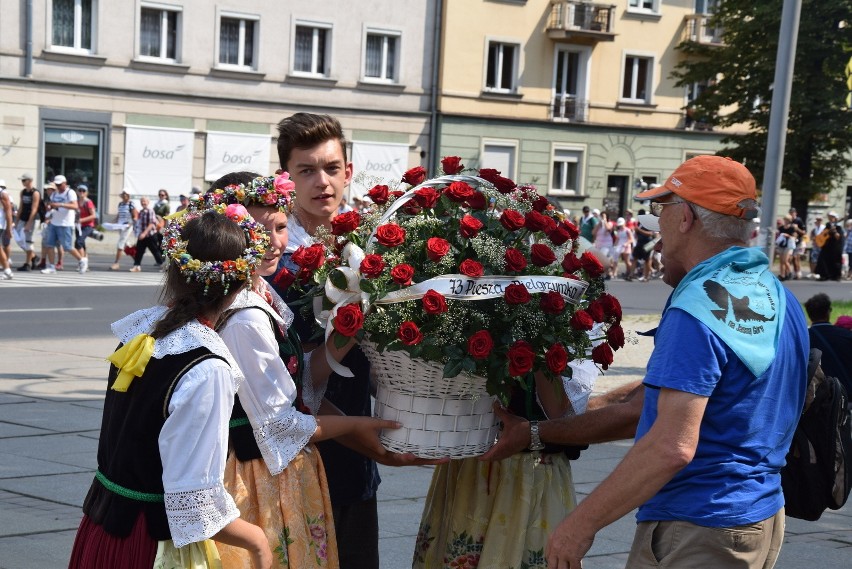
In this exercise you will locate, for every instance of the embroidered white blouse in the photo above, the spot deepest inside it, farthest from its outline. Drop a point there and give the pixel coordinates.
(194, 439)
(269, 392)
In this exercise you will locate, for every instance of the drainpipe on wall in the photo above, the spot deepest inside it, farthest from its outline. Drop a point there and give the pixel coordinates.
(436, 64)
(28, 59)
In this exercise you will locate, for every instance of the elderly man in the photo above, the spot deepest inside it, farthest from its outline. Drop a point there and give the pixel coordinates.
(722, 393)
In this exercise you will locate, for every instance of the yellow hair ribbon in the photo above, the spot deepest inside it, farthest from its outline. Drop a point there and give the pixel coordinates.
(176, 214)
(131, 360)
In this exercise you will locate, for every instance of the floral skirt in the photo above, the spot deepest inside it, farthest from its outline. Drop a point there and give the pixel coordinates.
(494, 514)
(293, 509)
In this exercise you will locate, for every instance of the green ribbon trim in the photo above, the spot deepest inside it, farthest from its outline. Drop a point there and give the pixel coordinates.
(127, 492)
(238, 422)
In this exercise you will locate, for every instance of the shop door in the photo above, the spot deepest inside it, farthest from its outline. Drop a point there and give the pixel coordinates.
(615, 201)
(74, 153)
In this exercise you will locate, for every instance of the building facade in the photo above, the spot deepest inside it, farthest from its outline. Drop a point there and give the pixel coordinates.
(171, 94)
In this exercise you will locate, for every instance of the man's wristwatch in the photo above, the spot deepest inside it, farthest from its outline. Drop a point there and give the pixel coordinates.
(535, 440)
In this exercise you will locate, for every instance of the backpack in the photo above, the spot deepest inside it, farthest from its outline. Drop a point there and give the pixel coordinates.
(817, 474)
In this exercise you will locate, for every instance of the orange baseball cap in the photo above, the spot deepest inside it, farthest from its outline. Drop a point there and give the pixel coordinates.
(717, 183)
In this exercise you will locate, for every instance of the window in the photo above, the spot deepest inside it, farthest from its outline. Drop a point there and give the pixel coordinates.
(652, 6)
(636, 83)
(237, 41)
(381, 57)
(706, 6)
(502, 66)
(312, 50)
(158, 33)
(567, 163)
(72, 24)
(501, 156)
(569, 84)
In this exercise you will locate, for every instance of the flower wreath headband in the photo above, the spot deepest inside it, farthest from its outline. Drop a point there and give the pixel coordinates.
(270, 191)
(224, 272)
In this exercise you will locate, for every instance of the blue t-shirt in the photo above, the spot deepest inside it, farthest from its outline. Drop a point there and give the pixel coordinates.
(734, 478)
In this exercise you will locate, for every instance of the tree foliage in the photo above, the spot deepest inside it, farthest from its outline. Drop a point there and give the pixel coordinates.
(739, 76)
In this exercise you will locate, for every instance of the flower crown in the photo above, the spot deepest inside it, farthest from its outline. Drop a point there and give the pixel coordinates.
(208, 272)
(271, 191)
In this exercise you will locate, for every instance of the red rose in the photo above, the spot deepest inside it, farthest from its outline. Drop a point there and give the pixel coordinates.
(477, 201)
(469, 226)
(414, 176)
(615, 336)
(571, 263)
(611, 306)
(395, 193)
(521, 358)
(433, 302)
(309, 258)
(451, 165)
(379, 194)
(427, 197)
(591, 265)
(556, 358)
(540, 203)
(436, 248)
(390, 235)
(596, 311)
(552, 303)
(602, 355)
(511, 219)
(541, 255)
(489, 174)
(459, 192)
(480, 344)
(562, 233)
(534, 221)
(515, 260)
(402, 274)
(409, 334)
(582, 321)
(516, 294)
(349, 319)
(345, 223)
(503, 185)
(471, 268)
(283, 279)
(372, 266)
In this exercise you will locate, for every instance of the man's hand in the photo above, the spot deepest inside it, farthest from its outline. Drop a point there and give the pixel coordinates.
(514, 436)
(366, 441)
(567, 545)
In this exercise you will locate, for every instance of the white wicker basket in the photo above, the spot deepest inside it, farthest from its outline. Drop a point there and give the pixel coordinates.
(440, 416)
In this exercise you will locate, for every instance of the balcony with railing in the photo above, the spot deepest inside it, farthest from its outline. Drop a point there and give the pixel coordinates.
(699, 30)
(569, 108)
(580, 22)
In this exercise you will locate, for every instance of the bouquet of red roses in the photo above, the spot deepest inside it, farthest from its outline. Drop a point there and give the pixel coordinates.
(470, 272)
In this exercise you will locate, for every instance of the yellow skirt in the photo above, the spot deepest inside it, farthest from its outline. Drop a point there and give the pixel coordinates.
(494, 514)
(293, 509)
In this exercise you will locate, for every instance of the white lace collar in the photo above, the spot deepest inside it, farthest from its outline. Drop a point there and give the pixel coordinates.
(191, 335)
(297, 236)
(249, 298)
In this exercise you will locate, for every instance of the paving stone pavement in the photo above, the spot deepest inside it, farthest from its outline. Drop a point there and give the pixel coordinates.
(50, 411)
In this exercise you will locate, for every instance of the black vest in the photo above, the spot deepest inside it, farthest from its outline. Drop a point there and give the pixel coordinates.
(128, 451)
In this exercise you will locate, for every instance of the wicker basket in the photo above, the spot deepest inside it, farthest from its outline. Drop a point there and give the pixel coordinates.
(440, 416)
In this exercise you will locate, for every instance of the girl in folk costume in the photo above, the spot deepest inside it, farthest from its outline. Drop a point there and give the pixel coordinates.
(275, 472)
(158, 496)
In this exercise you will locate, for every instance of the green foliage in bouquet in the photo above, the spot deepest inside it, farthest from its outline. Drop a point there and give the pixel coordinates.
(470, 272)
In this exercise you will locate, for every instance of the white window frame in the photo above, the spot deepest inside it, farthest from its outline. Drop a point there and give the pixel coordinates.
(384, 33)
(163, 9)
(244, 18)
(582, 151)
(639, 6)
(652, 64)
(500, 143)
(584, 71)
(329, 42)
(516, 65)
(78, 29)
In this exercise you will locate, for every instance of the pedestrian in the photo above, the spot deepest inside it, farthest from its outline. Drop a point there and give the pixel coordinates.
(60, 231)
(49, 188)
(184, 202)
(158, 496)
(785, 240)
(126, 217)
(88, 219)
(604, 242)
(162, 208)
(7, 220)
(643, 248)
(28, 212)
(801, 233)
(147, 236)
(624, 241)
(588, 222)
(830, 258)
(847, 250)
(275, 473)
(713, 431)
(818, 228)
(835, 342)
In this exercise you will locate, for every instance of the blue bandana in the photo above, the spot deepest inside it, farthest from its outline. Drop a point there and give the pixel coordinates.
(736, 295)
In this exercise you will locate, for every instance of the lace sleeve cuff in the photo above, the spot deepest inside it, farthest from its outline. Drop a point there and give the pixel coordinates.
(197, 515)
(312, 395)
(281, 439)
